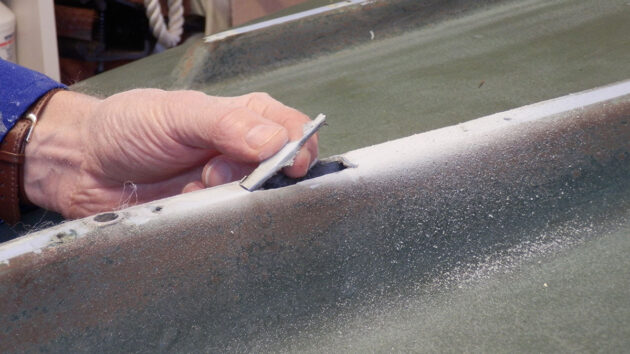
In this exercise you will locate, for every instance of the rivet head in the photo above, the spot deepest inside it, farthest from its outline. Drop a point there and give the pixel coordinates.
(105, 217)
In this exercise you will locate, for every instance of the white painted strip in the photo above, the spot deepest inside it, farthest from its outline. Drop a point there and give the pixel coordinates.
(36, 242)
(376, 159)
(439, 142)
(217, 37)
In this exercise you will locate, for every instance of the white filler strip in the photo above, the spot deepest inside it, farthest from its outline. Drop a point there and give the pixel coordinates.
(217, 37)
(374, 158)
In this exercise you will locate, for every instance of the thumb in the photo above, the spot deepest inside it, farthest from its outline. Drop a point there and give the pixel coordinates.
(224, 124)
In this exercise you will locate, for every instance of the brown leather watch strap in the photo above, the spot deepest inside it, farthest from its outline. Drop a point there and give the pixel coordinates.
(12, 161)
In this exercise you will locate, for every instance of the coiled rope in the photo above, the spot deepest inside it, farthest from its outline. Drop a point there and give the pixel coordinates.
(167, 37)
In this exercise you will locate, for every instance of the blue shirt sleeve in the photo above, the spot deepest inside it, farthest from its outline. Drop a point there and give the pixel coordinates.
(19, 89)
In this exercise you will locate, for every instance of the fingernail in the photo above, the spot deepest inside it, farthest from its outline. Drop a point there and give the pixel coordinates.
(261, 135)
(217, 173)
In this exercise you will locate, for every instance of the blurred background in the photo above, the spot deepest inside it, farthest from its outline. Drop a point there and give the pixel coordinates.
(71, 40)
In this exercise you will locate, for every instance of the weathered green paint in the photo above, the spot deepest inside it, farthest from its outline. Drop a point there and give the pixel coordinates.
(568, 302)
(370, 249)
(523, 51)
(448, 252)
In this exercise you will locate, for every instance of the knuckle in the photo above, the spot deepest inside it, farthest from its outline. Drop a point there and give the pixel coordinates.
(231, 120)
(147, 93)
(187, 95)
(258, 101)
(194, 93)
(260, 96)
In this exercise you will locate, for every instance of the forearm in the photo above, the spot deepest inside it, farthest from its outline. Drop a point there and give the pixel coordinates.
(54, 155)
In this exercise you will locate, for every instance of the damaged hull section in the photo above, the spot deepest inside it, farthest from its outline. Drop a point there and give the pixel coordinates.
(227, 269)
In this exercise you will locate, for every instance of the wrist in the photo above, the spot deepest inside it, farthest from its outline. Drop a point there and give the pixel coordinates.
(54, 154)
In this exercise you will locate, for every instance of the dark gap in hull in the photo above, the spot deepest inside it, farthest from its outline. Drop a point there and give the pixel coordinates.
(321, 168)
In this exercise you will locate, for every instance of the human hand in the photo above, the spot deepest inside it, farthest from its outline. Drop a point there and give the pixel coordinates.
(86, 153)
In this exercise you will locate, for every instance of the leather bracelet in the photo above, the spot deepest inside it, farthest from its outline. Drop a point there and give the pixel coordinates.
(12, 148)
